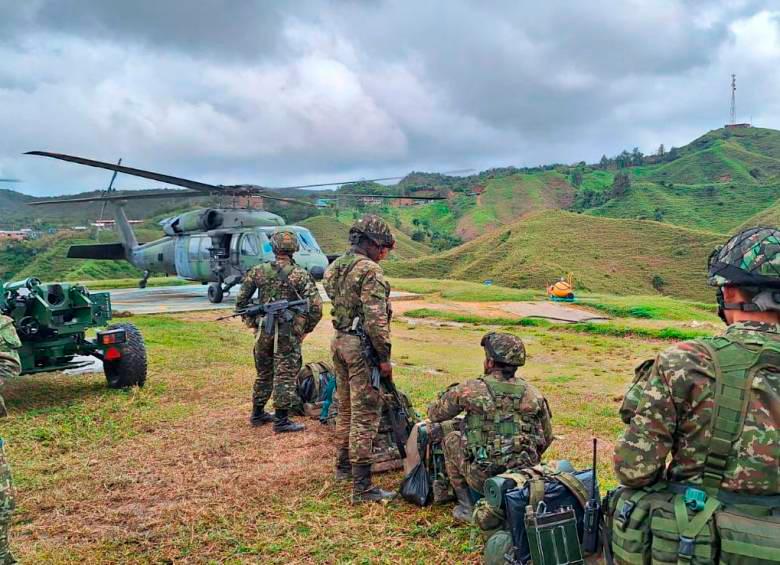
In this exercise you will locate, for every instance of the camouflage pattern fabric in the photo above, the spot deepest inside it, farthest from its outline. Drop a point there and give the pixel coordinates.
(9, 367)
(474, 397)
(284, 241)
(674, 414)
(375, 228)
(357, 288)
(360, 404)
(504, 348)
(278, 360)
(750, 258)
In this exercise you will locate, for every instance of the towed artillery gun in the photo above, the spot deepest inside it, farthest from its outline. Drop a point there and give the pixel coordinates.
(52, 321)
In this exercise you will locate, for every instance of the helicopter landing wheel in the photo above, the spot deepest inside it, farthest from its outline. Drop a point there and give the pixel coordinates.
(215, 293)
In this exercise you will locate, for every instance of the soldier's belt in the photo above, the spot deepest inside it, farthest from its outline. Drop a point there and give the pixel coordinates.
(730, 498)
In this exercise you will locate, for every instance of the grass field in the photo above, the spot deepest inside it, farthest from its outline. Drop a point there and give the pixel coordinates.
(605, 255)
(173, 473)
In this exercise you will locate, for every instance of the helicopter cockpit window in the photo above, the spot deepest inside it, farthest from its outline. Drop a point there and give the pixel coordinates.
(306, 241)
(250, 246)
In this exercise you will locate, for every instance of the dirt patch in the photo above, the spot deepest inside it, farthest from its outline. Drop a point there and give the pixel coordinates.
(548, 310)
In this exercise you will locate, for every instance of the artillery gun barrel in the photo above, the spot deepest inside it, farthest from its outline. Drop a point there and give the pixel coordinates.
(28, 283)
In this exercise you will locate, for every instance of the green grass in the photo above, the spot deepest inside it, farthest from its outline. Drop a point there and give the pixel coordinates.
(133, 283)
(604, 329)
(649, 307)
(464, 291)
(605, 255)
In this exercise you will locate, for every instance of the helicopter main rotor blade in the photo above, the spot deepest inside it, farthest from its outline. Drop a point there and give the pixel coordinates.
(114, 196)
(389, 196)
(360, 180)
(186, 183)
(10, 180)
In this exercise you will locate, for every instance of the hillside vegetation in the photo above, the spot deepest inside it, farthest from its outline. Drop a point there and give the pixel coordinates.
(332, 234)
(605, 255)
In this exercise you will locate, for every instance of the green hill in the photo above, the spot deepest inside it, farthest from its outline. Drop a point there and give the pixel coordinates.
(604, 254)
(332, 234)
(767, 217)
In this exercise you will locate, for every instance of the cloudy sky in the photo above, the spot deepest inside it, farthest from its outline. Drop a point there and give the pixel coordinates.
(282, 93)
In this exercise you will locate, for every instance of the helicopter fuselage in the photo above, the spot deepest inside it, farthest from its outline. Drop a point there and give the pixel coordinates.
(190, 256)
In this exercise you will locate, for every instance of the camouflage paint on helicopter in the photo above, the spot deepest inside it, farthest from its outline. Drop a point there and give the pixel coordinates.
(213, 245)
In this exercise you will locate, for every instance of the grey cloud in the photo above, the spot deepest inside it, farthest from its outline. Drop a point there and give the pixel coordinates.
(277, 93)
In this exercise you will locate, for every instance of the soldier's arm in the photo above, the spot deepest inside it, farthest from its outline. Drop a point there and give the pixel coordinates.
(310, 293)
(247, 290)
(546, 417)
(375, 316)
(640, 454)
(448, 405)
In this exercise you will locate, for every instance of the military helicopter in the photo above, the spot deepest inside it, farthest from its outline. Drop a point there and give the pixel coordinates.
(214, 246)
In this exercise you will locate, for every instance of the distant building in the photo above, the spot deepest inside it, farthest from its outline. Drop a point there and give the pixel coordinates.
(14, 235)
(737, 126)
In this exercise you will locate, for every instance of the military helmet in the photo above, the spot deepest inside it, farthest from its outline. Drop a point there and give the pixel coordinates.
(375, 229)
(284, 241)
(504, 348)
(750, 258)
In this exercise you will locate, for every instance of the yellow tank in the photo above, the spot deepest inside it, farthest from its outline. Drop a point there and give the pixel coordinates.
(562, 289)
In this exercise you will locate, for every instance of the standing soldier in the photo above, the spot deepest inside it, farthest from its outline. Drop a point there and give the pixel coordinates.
(278, 356)
(714, 405)
(361, 302)
(9, 367)
(507, 424)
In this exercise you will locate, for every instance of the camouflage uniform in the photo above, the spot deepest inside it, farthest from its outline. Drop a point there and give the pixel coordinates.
(476, 397)
(357, 287)
(278, 358)
(9, 367)
(674, 414)
(361, 296)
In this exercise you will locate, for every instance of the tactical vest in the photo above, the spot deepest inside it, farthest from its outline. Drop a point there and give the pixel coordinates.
(690, 524)
(499, 435)
(274, 271)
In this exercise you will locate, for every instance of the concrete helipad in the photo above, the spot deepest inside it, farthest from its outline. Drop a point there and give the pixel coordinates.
(187, 298)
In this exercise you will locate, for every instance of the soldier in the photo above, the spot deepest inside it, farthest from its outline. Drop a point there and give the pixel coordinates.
(507, 424)
(360, 295)
(278, 356)
(9, 367)
(674, 411)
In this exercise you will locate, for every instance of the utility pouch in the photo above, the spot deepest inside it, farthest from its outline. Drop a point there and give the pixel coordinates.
(487, 517)
(748, 539)
(552, 536)
(681, 535)
(628, 515)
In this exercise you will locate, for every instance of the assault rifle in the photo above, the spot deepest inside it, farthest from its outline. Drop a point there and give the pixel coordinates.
(272, 311)
(592, 519)
(399, 419)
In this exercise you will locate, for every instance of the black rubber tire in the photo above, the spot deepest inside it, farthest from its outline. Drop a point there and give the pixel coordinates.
(130, 369)
(141, 284)
(215, 293)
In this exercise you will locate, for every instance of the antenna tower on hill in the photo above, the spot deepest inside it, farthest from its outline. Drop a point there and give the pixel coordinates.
(733, 100)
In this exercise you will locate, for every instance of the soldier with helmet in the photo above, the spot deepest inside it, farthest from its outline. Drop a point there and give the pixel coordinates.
(507, 422)
(713, 404)
(10, 366)
(278, 356)
(361, 302)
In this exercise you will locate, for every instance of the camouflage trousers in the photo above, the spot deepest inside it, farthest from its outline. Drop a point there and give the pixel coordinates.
(360, 404)
(460, 469)
(277, 368)
(7, 504)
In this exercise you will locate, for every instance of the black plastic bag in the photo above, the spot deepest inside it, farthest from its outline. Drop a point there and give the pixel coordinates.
(416, 486)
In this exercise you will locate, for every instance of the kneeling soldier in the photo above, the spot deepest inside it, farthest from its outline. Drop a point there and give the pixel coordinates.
(507, 422)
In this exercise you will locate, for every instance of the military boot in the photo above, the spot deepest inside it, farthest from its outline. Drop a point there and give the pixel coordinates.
(343, 466)
(362, 491)
(260, 416)
(283, 424)
(465, 508)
